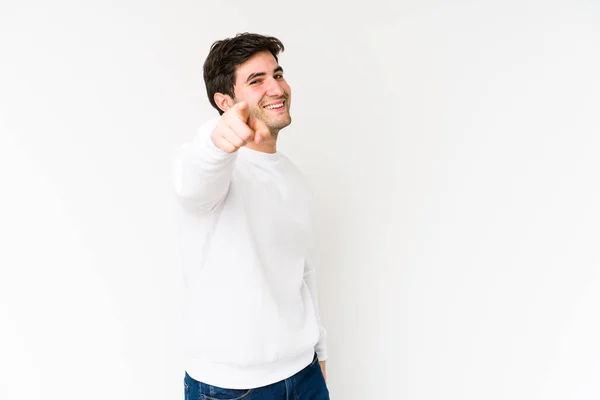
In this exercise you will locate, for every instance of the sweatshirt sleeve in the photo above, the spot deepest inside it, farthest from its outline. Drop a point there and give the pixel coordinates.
(201, 171)
(310, 278)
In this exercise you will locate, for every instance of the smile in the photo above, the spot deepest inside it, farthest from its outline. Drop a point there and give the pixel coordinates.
(275, 106)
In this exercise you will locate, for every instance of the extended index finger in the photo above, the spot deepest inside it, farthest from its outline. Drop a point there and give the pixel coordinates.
(241, 129)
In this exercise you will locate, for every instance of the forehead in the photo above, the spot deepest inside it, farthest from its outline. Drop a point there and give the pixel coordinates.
(260, 62)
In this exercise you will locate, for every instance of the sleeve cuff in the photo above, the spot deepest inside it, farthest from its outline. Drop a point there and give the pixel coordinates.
(321, 346)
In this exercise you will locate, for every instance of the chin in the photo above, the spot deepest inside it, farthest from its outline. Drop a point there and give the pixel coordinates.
(280, 124)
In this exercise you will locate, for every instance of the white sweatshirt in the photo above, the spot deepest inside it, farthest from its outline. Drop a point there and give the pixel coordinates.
(251, 308)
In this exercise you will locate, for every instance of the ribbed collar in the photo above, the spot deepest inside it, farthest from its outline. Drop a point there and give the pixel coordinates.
(258, 156)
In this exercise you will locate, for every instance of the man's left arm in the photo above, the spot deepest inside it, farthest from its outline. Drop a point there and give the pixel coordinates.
(310, 278)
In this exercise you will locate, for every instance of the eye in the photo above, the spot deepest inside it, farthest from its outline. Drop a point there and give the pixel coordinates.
(279, 76)
(254, 82)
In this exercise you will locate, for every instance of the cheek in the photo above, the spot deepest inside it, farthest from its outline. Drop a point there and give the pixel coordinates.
(249, 94)
(254, 95)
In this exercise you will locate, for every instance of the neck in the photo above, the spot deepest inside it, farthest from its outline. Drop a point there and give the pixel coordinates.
(268, 145)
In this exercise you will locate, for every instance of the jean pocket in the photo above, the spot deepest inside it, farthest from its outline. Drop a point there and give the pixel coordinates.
(186, 390)
(217, 393)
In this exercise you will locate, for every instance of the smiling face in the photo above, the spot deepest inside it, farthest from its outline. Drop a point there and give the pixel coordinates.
(260, 82)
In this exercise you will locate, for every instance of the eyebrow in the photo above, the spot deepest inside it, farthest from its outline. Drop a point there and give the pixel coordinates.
(257, 74)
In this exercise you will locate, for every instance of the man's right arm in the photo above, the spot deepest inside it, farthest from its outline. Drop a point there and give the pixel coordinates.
(203, 168)
(202, 172)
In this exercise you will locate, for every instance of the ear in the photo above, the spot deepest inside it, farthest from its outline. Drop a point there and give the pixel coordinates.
(223, 101)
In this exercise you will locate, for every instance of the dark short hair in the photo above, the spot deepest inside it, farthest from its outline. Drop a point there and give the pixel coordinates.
(227, 54)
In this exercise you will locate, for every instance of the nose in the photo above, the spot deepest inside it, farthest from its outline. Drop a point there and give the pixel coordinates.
(274, 88)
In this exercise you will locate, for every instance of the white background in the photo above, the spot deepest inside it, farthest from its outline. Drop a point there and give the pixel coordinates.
(453, 150)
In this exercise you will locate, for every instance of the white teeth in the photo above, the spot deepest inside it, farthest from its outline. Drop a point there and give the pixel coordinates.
(274, 106)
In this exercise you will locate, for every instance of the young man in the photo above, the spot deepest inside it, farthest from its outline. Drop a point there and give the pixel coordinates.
(252, 321)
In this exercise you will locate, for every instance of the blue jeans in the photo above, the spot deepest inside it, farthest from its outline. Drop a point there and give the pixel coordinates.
(307, 384)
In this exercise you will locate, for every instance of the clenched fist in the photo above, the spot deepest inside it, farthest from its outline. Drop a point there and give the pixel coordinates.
(237, 127)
